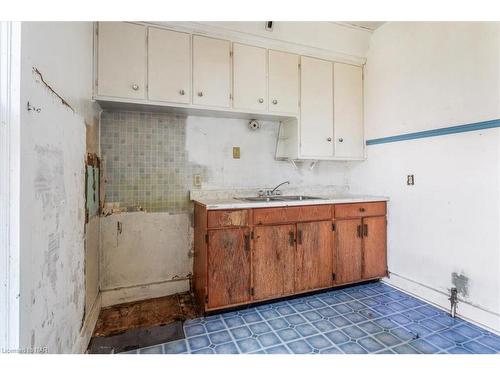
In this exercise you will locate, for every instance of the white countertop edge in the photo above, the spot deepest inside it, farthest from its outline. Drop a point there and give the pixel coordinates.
(226, 204)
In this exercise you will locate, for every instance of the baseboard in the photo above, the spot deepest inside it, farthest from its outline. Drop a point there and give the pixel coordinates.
(136, 293)
(88, 326)
(466, 311)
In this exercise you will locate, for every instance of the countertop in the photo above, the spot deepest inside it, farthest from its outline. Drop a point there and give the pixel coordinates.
(232, 203)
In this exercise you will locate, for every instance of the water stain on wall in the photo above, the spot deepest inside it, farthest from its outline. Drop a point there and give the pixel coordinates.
(461, 282)
(145, 162)
(49, 178)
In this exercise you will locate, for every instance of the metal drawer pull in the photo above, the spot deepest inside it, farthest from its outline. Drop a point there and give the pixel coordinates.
(362, 209)
(247, 243)
(366, 230)
(359, 231)
(182, 92)
(299, 237)
(291, 239)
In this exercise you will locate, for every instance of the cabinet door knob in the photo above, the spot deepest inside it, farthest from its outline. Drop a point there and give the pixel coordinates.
(341, 140)
(275, 101)
(182, 92)
(135, 87)
(200, 93)
(261, 100)
(329, 139)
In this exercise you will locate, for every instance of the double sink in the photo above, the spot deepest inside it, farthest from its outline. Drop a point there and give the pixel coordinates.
(278, 198)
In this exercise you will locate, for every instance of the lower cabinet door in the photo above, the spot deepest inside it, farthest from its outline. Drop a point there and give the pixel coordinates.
(273, 260)
(228, 267)
(314, 256)
(374, 247)
(349, 250)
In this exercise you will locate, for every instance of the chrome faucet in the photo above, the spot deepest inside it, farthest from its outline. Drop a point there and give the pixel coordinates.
(274, 191)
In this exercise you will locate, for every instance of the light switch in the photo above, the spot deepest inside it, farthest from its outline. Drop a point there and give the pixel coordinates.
(236, 152)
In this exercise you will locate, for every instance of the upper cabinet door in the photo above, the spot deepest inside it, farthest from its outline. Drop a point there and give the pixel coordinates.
(348, 113)
(316, 108)
(169, 66)
(211, 72)
(283, 82)
(249, 77)
(121, 68)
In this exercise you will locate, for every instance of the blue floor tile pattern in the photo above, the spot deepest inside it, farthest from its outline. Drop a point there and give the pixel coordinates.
(368, 318)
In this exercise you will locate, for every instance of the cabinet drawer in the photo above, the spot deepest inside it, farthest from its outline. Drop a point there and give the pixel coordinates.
(360, 209)
(278, 215)
(227, 218)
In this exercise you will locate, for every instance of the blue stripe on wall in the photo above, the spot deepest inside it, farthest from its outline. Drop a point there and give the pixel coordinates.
(436, 132)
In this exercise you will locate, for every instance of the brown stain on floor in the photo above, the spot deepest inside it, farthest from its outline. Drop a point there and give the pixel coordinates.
(146, 313)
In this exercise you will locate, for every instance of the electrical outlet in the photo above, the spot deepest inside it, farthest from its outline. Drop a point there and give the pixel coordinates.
(197, 180)
(236, 152)
(410, 179)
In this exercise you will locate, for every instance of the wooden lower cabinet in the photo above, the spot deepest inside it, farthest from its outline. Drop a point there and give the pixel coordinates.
(228, 267)
(273, 260)
(314, 256)
(349, 251)
(374, 247)
(249, 255)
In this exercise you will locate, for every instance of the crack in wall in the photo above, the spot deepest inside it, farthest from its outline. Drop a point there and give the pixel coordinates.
(40, 76)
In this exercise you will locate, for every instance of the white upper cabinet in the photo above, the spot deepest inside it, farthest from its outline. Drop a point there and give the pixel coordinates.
(283, 82)
(249, 77)
(169, 66)
(348, 111)
(316, 108)
(211, 72)
(121, 69)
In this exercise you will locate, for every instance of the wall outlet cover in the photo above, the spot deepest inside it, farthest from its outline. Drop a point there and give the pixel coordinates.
(197, 180)
(236, 152)
(410, 179)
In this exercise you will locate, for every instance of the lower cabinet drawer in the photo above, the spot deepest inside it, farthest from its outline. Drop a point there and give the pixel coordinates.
(276, 215)
(360, 209)
(227, 218)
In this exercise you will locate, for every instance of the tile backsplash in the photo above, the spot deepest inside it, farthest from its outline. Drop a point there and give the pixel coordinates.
(145, 161)
(150, 160)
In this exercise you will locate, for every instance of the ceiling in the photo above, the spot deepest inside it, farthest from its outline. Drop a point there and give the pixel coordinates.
(367, 25)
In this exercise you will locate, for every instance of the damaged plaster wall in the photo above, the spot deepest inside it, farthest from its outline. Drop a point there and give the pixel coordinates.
(149, 162)
(56, 80)
(443, 232)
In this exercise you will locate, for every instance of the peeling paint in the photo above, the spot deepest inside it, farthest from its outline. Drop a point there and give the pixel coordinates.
(40, 77)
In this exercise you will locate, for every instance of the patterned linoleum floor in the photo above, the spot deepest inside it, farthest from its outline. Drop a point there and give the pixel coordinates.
(369, 318)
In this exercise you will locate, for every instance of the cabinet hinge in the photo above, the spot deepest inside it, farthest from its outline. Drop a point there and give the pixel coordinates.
(206, 298)
(334, 276)
(230, 96)
(230, 53)
(333, 227)
(251, 291)
(299, 65)
(206, 238)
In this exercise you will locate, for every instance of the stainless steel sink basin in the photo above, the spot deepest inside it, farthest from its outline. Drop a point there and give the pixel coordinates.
(275, 198)
(258, 199)
(297, 198)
